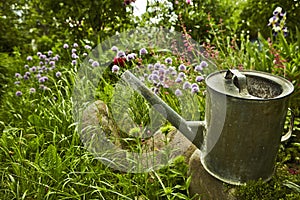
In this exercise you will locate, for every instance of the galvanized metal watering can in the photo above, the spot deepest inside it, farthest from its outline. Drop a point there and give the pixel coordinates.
(244, 121)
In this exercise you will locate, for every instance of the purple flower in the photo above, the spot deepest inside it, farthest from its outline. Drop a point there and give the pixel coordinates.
(182, 67)
(74, 62)
(74, 56)
(143, 51)
(26, 66)
(50, 53)
(91, 60)
(29, 58)
(55, 58)
(42, 57)
(17, 82)
(131, 56)
(121, 54)
(168, 60)
(156, 65)
(198, 68)
(75, 45)
(195, 89)
(52, 63)
(178, 92)
(84, 54)
(88, 47)
(41, 63)
(73, 50)
(186, 85)
(150, 67)
(58, 74)
(38, 76)
(114, 48)
(32, 69)
(115, 68)
(95, 64)
(18, 75)
(181, 75)
(203, 64)
(43, 79)
(27, 73)
(194, 85)
(38, 54)
(178, 80)
(66, 46)
(18, 93)
(43, 87)
(199, 78)
(32, 90)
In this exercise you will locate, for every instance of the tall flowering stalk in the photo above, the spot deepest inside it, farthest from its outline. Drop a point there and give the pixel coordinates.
(277, 22)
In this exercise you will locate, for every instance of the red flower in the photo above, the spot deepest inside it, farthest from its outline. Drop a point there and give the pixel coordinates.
(120, 61)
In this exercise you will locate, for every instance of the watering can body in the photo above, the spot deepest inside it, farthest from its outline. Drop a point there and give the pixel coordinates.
(244, 120)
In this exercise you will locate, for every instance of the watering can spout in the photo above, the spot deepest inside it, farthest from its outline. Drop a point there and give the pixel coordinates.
(192, 130)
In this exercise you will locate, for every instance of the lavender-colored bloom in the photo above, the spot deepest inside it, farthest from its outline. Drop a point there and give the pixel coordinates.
(66, 46)
(50, 53)
(198, 68)
(150, 67)
(74, 56)
(182, 67)
(38, 76)
(194, 85)
(26, 66)
(95, 64)
(55, 58)
(73, 50)
(88, 47)
(186, 85)
(52, 63)
(178, 80)
(203, 64)
(162, 78)
(155, 72)
(41, 63)
(33, 69)
(178, 92)
(91, 60)
(115, 68)
(121, 54)
(195, 90)
(74, 62)
(156, 65)
(58, 74)
(155, 77)
(27, 73)
(18, 93)
(38, 54)
(143, 51)
(199, 78)
(181, 75)
(43, 79)
(32, 90)
(131, 56)
(114, 48)
(43, 87)
(155, 90)
(84, 54)
(29, 58)
(18, 75)
(17, 82)
(75, 45)
(42, 57)
(168, 60)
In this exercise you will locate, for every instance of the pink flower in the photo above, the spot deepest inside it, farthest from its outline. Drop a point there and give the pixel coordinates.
(188, 1)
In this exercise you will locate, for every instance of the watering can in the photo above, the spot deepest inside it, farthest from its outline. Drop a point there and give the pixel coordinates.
(244, 119)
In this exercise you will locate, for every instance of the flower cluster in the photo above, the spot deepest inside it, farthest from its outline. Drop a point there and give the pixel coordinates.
(277, 21)
(127, 2)
(164, 73)
(37, 72)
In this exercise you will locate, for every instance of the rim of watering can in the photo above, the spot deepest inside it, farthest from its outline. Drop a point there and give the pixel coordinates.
(287, 86)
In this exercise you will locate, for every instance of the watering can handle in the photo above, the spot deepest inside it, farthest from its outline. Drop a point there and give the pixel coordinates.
(240, 79)
(286, 136)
